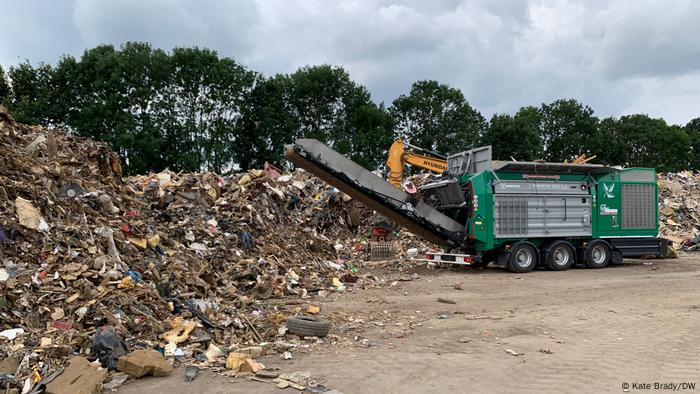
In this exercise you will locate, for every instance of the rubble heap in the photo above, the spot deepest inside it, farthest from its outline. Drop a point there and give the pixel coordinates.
(96, 265)
(164, 259)
(679, 214)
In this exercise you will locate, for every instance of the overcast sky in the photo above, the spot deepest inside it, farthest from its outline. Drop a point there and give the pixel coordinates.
(618, 57)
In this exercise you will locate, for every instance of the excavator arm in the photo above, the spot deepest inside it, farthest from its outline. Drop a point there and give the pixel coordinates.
(402, 153)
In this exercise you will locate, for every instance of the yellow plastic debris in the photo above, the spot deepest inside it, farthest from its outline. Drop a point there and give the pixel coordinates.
(154, 241)
(235, 361)
(245, 179)
(277, 318)
(181, 330)
(36, 376)
(140, 243)
(126, 283)
(313, 309)
(257, 173)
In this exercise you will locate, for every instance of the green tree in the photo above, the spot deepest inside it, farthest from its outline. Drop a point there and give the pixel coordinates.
(113, 95)
(206, 95)
(331, 107)
(267, 124)
(567, 129)
(157, 110)
(4, 86)
(607, 142)
(649, 142)
(33, 99)
(438, 117)
(320, 102)
(370, 135)
(516, 137)
(692, 129)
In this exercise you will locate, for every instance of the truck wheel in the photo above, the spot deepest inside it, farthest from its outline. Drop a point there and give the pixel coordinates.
(560, 256)
(523, 258)
(597, 254)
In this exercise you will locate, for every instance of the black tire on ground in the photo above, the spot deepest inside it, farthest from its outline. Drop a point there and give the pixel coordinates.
(560, 256)
(308, 326)
(523, 258)
(597, 254)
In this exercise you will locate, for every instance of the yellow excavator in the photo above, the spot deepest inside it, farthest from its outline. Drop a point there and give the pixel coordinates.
(402, 153)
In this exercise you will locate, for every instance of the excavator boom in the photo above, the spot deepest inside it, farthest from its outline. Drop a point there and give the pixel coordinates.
(399, 156)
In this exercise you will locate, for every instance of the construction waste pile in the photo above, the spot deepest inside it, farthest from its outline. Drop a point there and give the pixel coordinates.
(104, 277)
(679, 211)
(94, 266)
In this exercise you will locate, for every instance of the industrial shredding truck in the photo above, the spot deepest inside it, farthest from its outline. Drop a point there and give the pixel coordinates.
(518, 215)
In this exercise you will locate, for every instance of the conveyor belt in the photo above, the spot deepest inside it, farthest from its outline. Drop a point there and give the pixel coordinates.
(362, 185)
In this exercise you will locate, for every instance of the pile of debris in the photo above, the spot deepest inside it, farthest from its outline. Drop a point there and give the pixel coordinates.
(679, 209)
(95, 265)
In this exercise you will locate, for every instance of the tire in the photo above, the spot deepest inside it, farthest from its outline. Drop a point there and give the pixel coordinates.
(560, 256)
(597, 254)
(308, 326)
(523, 258)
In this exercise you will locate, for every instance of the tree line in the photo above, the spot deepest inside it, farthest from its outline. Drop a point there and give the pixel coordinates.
(190, 109)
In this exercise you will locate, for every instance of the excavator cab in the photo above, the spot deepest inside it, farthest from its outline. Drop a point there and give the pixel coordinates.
(401, 153)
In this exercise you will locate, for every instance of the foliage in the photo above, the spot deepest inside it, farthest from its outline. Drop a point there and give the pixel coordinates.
(438, 117)
(329, 106)
(651, 142)
(34, 97)
(190, 109)
(319, 102)
(693, 131)
(158, 110)
(514, 137)
(4, 86)
(567, 129)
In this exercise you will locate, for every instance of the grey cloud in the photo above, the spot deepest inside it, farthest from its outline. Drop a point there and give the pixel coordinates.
(39, 31)
(220, 25)
(661, 39)
(616, 57)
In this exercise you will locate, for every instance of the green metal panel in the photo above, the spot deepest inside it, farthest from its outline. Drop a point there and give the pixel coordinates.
(606, 195)
(480, 221)
(609, 208)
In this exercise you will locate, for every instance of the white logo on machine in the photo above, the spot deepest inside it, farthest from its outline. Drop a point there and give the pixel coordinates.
(541, 176)
(604, 210)
(609, 190)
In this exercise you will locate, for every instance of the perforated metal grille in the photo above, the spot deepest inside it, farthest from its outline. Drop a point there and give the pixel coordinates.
(511, 215)
(638, 206)
(382, 250)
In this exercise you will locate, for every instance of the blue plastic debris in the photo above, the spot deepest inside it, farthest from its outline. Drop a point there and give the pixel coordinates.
(247, 239)
(136, 276)
(3, 235)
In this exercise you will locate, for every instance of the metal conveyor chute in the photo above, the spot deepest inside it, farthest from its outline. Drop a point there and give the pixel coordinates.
(361, 184)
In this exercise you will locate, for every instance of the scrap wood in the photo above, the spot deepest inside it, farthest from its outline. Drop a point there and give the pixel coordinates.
(252, 327)
(181, 227)
(679, 210)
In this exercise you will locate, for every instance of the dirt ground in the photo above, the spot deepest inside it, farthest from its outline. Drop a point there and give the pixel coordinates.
(577, 331)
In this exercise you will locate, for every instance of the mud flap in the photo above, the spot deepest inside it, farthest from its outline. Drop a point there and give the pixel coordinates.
(502, 258)
(616, 257)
